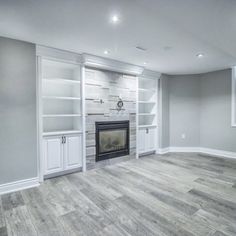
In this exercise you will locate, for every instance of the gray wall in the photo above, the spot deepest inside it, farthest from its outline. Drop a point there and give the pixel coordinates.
(184, 111)
(216, 131)
(200, 107)
(17, 111)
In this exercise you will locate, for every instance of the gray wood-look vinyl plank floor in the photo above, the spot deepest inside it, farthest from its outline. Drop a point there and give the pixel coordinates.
(174, 194)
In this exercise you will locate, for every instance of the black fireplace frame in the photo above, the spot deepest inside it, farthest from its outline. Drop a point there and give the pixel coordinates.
(111, 125)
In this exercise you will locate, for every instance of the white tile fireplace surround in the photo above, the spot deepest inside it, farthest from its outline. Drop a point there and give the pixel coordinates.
(103, 90)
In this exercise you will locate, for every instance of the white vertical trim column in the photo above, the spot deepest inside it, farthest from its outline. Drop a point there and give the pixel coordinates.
(157, 115)
(159, 118)
(233, 103)
(40, 159)
(83, 117)
(137, 117)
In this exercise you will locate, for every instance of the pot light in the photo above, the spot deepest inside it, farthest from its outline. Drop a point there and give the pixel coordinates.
(200, 55)
(106, 52)
(145, 63)
(115, 19)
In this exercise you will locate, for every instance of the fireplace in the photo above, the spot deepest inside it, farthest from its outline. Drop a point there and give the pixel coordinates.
(112, 139)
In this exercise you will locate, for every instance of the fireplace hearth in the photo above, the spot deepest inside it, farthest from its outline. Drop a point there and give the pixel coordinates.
(112, 139)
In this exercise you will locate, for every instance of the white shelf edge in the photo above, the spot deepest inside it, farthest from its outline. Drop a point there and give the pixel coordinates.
(147, 114)
(62, 132)
(61, 81)
(147, 90)
(62, 115)
(151, 102)
(61, 98)
(147, 126)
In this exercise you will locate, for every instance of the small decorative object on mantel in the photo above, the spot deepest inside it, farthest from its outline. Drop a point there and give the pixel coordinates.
(120, 104)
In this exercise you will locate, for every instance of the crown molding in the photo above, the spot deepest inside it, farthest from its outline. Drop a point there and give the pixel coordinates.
(151, 74)
(111, 65)
(95, 62)
(58, 54)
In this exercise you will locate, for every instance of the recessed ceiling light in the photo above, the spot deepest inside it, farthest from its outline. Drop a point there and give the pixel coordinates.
(106, 52)
(115, 19)
(145, 63)
(200, 55)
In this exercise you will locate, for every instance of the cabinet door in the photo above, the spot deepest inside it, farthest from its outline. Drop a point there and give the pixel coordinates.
(53, 155)
(151, 140)
(73, 152)
(141, 140)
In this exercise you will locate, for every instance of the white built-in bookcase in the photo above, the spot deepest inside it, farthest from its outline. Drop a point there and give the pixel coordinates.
(60, 112)
(61, 97)
(147, 114)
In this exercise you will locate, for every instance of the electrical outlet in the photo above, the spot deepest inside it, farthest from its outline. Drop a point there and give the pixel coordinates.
(183, 136)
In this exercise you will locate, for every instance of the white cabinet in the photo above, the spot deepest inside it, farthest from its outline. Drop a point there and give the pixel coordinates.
(151, 139)
(53, 155)
(62, 153)
(73, 152)
(141, 140)
(147, 140)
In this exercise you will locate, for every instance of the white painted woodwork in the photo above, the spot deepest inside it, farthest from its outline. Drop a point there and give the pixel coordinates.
(151, 139)
(147, 111)
(111, 65)
(233, 104)
(60, 110)
(73, 152)
(53, 155)
(61, 95)
(147, 140)
(60, 156)
(141, 141)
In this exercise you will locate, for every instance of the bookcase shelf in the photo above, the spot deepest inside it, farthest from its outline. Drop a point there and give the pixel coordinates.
(61, 98)
(61, 115)
(146, 126)
(61, 81)
(147, 114)
(62, 132)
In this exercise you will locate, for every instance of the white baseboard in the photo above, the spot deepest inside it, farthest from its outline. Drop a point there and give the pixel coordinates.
(207, 151)
(163, 150)
(218, 153)
(19, 185)
(184, 149)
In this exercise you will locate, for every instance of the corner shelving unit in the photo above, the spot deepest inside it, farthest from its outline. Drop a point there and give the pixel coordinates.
(147, 114)
(61, 97)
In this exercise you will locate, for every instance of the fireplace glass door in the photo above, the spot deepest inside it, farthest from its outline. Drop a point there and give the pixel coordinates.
(112, 139)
